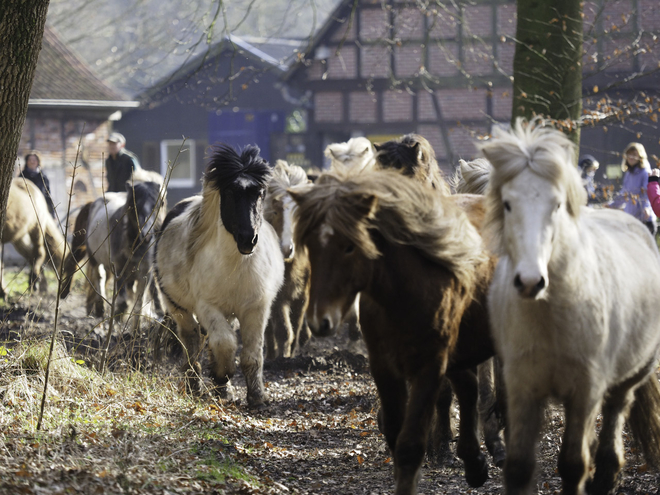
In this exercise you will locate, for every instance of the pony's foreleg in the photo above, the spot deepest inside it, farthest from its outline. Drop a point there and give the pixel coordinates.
(253, 323)
(189, 334)
(96, 289)
(524, 415)
(575, 454)
(222, 347)
(300, 329)
(411, 442)
(488, 411)
(468, 449)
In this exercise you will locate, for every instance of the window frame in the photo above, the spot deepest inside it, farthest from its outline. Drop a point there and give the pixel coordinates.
(189, 146)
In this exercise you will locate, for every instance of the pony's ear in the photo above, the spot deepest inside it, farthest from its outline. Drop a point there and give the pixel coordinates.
(364, 152)
(378, 146)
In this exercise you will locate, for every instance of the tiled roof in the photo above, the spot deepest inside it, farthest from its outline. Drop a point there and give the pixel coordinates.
(62, 75)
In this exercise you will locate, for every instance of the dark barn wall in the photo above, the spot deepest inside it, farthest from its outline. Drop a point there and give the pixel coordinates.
(198, 108)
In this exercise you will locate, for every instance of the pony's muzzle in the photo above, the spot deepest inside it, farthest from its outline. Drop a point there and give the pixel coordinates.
(246, 243)
(529, 287)
(287, 251)
(323, 326)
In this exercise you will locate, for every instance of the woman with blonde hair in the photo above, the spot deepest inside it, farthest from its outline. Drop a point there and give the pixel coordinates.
(632, 197)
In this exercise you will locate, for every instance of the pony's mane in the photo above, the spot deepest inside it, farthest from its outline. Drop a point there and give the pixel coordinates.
(356, 152)
(413, 155)
(472, 177)
(403, 210)
(226, 165)
(284, 177)
(545, 151)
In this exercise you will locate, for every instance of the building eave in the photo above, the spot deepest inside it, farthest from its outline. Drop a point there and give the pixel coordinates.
(81, 104)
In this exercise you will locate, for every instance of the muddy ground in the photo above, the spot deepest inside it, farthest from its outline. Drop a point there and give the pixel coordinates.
(317, 436)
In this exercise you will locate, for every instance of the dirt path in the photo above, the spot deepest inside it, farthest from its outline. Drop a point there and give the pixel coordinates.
(136, 432)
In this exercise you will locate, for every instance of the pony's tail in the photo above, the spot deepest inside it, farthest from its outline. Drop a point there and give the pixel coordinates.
(54, 241)
(644, 420)
(78, 249)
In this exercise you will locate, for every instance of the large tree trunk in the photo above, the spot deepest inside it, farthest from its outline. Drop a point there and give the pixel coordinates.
(547, 66)
(21, 31)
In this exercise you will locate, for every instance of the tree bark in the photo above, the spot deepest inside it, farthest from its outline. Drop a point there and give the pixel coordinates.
(21, 32)
(547, 65)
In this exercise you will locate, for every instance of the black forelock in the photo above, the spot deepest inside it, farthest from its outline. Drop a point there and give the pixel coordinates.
(399, 153)
(226, 166)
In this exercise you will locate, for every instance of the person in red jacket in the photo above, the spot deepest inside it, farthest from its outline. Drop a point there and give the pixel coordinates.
(653, 190)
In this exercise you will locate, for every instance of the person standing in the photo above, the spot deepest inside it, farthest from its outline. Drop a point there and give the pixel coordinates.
(32, 171)
(119, 164)
(632, 197)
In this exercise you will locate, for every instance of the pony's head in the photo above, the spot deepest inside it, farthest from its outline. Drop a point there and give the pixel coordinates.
(413, 155)
(145, 211)
(535, 190)
(356, 153)
(472, 177)
(343, 217)
(280, 207)
(241, 181)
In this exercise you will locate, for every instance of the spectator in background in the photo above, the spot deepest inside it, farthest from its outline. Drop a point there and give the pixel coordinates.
(633, 196)
(119, 164)
(32, 171)
(588, 166)
(654, 191)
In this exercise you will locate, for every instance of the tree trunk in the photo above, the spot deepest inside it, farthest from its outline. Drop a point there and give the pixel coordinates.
(21, 31)
(547, 66)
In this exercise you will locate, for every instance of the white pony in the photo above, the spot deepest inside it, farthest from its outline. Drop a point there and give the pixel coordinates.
(217, 260)
(356, 153)
(574, 311)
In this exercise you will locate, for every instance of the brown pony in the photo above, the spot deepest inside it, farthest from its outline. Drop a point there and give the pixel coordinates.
(422, 273)
(32, 230)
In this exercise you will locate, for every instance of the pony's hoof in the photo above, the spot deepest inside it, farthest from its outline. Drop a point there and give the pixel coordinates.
(256, 402)
(476, 471)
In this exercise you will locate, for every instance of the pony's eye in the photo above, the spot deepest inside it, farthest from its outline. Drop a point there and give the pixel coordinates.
(558, 205)
(507, 206)
(349, 249)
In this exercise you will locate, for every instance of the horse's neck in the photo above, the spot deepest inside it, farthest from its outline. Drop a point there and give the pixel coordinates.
(572, 253)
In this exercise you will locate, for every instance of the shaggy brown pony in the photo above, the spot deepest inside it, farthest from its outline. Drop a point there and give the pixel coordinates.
(422, 273)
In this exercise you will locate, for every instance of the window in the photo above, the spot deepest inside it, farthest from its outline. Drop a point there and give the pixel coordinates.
(180, 155)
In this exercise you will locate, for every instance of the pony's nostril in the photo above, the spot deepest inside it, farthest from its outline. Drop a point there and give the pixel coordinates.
(290, 252)
(255, 239)
(541, 284)
(517, 282)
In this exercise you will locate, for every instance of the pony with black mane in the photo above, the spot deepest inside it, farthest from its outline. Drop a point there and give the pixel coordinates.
(117, 233)
(422, 273)
(217, 260)
(413, 155)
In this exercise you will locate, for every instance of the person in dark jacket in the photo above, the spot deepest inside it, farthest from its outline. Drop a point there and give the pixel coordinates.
(32, 171)
(120, 163)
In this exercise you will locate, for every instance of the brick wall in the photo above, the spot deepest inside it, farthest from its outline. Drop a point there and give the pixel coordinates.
(425, 107)
(328, 106)
(362, 107)
(463, 141)
(478, 21)
(408, 24)
(374, 24)
(462, 104)
(443, 22)
(502, 103)
(397, 106)
(375, 61)
(434, 136)
(443, 59)
(344, 64)
(478, 58)
(408, 60)
(506, 19)
(650, 15)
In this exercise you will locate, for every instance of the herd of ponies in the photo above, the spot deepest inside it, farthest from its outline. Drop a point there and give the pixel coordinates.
(499, 287)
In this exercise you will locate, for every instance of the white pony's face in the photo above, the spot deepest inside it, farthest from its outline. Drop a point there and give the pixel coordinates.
(286, 239)
(532, 207)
